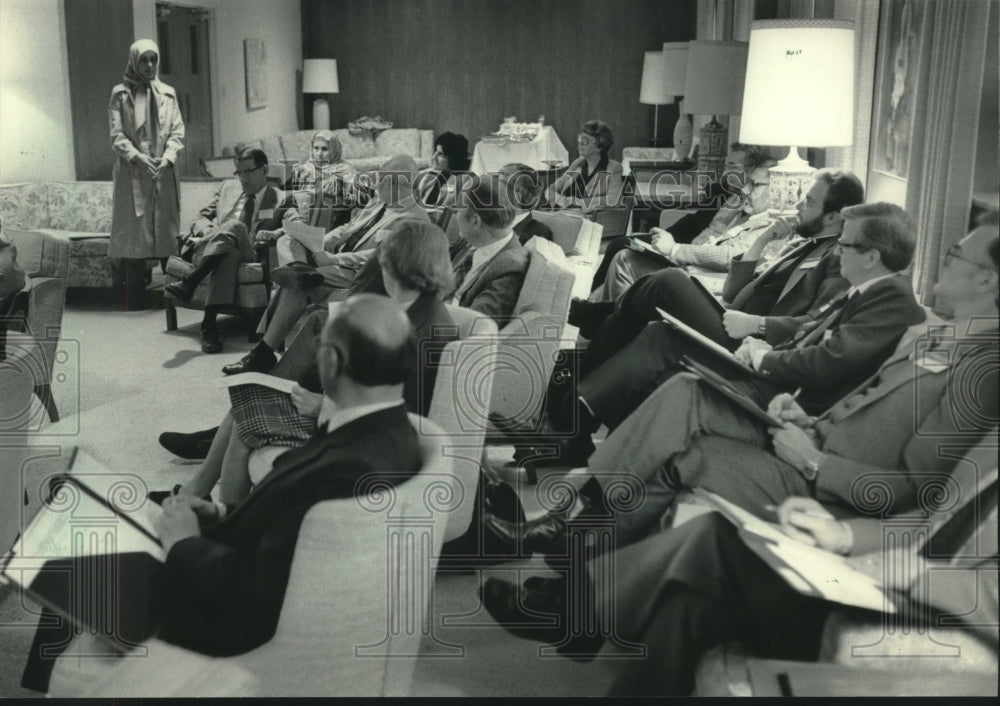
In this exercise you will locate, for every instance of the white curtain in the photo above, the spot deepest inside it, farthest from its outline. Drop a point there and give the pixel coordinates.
(943, 144)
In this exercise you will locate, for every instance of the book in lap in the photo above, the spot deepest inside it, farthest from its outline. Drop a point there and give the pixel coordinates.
(263, 411)
(91, 553)
(809, 570)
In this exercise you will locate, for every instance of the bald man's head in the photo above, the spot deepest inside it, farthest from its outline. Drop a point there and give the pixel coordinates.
(374, 342)
(396, 177)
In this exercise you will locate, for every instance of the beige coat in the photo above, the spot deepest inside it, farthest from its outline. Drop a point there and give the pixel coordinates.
(145, 221)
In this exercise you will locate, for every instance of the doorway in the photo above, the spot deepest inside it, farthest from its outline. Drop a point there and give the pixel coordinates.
(183, 35)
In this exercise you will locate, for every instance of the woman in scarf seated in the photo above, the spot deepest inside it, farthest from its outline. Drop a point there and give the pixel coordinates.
(435, 186)
(417, 270)
(325, 181)
(593, 181)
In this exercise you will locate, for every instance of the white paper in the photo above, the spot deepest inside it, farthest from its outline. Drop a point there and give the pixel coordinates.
(262, 379)
(310, 236)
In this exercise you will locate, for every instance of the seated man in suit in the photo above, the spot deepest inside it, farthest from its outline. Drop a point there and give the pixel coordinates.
(938, 387)
(228, 567)
(519, 191)
(681, 592)
(14, 287)
(732, 230)
(346, 250)
(222, 237)
(489, 261)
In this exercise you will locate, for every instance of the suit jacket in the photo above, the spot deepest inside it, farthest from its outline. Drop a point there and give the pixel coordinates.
(846, 342)
(435, 329)
(529, 228)
(273, 211)
(802, 279)
(911, 417)
(226, 587)
(496, 285)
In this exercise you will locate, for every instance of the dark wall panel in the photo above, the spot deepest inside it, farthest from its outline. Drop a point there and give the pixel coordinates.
(463, 65)
(98, 35)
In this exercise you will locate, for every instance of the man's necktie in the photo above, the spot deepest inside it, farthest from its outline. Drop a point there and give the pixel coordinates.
(360, 229)
(948, 538)
(462, 269)
(246, 215)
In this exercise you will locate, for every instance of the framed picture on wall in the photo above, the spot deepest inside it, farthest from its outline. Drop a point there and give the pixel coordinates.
(255, 56)
(896, 71)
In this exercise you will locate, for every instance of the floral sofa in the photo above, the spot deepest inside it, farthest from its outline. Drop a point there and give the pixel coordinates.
(362, 152)
(79, 214)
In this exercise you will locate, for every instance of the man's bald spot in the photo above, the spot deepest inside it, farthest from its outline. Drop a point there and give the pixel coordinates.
(401, 164)
(377, 316)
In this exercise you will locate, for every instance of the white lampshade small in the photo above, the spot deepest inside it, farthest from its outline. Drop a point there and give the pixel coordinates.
(320, 76)
(716, 72)
(654, 80)
(799, 84)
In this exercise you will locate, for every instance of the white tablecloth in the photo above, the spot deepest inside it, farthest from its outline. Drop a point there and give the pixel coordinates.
(490, 157)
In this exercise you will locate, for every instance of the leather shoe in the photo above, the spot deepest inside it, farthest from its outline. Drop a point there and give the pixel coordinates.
(190, 446)
(210, 341)
(256, 361)
(296, 276)
(545, 535)
(517, 610)
(588, 316)
(158, 496)
(179, 290)
(571, 451)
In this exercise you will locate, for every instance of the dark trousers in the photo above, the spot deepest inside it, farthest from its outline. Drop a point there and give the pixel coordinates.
(712, 589)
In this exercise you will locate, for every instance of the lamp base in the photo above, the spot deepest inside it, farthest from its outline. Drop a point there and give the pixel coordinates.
(683, 133)
(321, 114)
(712, 153)
(790, 180)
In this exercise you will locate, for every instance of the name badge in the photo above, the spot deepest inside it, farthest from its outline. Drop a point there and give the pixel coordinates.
(827, 335)
(265, 213)
(808, 264)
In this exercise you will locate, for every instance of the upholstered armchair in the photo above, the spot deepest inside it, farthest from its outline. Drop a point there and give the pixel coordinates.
(45, 259)
(357, 605)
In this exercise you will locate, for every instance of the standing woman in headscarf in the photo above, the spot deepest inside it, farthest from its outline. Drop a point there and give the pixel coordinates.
(147, 132)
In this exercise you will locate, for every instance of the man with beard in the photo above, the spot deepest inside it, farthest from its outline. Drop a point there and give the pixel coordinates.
(771, 305)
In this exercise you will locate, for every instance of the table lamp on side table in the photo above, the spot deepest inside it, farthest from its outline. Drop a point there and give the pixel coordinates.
(320, 76)
(716, 71)
(799, 91)
(676, 57)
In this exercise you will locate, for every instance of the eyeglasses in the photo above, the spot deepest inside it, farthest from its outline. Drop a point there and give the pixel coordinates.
(585, 140)
(246, 172)
(955, 253)
(841, 245)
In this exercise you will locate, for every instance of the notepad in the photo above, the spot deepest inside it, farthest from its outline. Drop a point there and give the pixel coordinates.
(706, 342)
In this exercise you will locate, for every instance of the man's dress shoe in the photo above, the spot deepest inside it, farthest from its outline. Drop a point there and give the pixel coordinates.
(210, 341)
(256, 361)
(179, 290)
(572, 451)
(588, 316)
(297, 276)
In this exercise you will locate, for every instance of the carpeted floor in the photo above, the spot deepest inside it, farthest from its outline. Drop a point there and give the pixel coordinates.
(122, 379)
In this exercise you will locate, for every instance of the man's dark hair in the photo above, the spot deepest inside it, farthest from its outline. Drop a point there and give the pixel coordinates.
(844, 189)
(887, 228)
(484, 199)
(367, 348)
(524, 184)
(258, 156)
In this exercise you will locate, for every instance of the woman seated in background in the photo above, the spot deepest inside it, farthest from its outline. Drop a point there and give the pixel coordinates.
(593, 180)
(325, 180)
(416, 271)
(435, 186)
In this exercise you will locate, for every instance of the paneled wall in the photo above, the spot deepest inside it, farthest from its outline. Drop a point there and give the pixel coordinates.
(463, 65)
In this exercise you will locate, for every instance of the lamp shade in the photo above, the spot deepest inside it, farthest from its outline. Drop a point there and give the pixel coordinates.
(654, 75)
(675, 57)
(799, 84)
(320, 76)
(716, 72)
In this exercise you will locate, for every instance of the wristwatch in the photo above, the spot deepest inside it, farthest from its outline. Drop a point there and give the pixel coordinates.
(811, 469)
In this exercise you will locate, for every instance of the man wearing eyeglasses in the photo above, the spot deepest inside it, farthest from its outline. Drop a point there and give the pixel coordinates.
(222, 237)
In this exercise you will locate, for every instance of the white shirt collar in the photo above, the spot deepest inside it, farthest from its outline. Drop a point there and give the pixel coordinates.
(863, 287)
(480, 256)
(334, 418)
(520, 217)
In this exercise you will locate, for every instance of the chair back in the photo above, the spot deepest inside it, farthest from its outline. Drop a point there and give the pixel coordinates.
(460, 406)
(358, 595)
(615, 221)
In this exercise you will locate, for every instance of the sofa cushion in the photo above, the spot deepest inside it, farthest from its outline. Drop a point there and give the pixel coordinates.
(80, 206)
(356, 147)
(398, 141)
(39, 253)
(24, 206)
(549, 280)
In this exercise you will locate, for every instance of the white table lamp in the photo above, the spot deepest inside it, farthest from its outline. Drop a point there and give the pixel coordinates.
(320, 76)
(716, 71)
(653, 90)
(799, 92)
